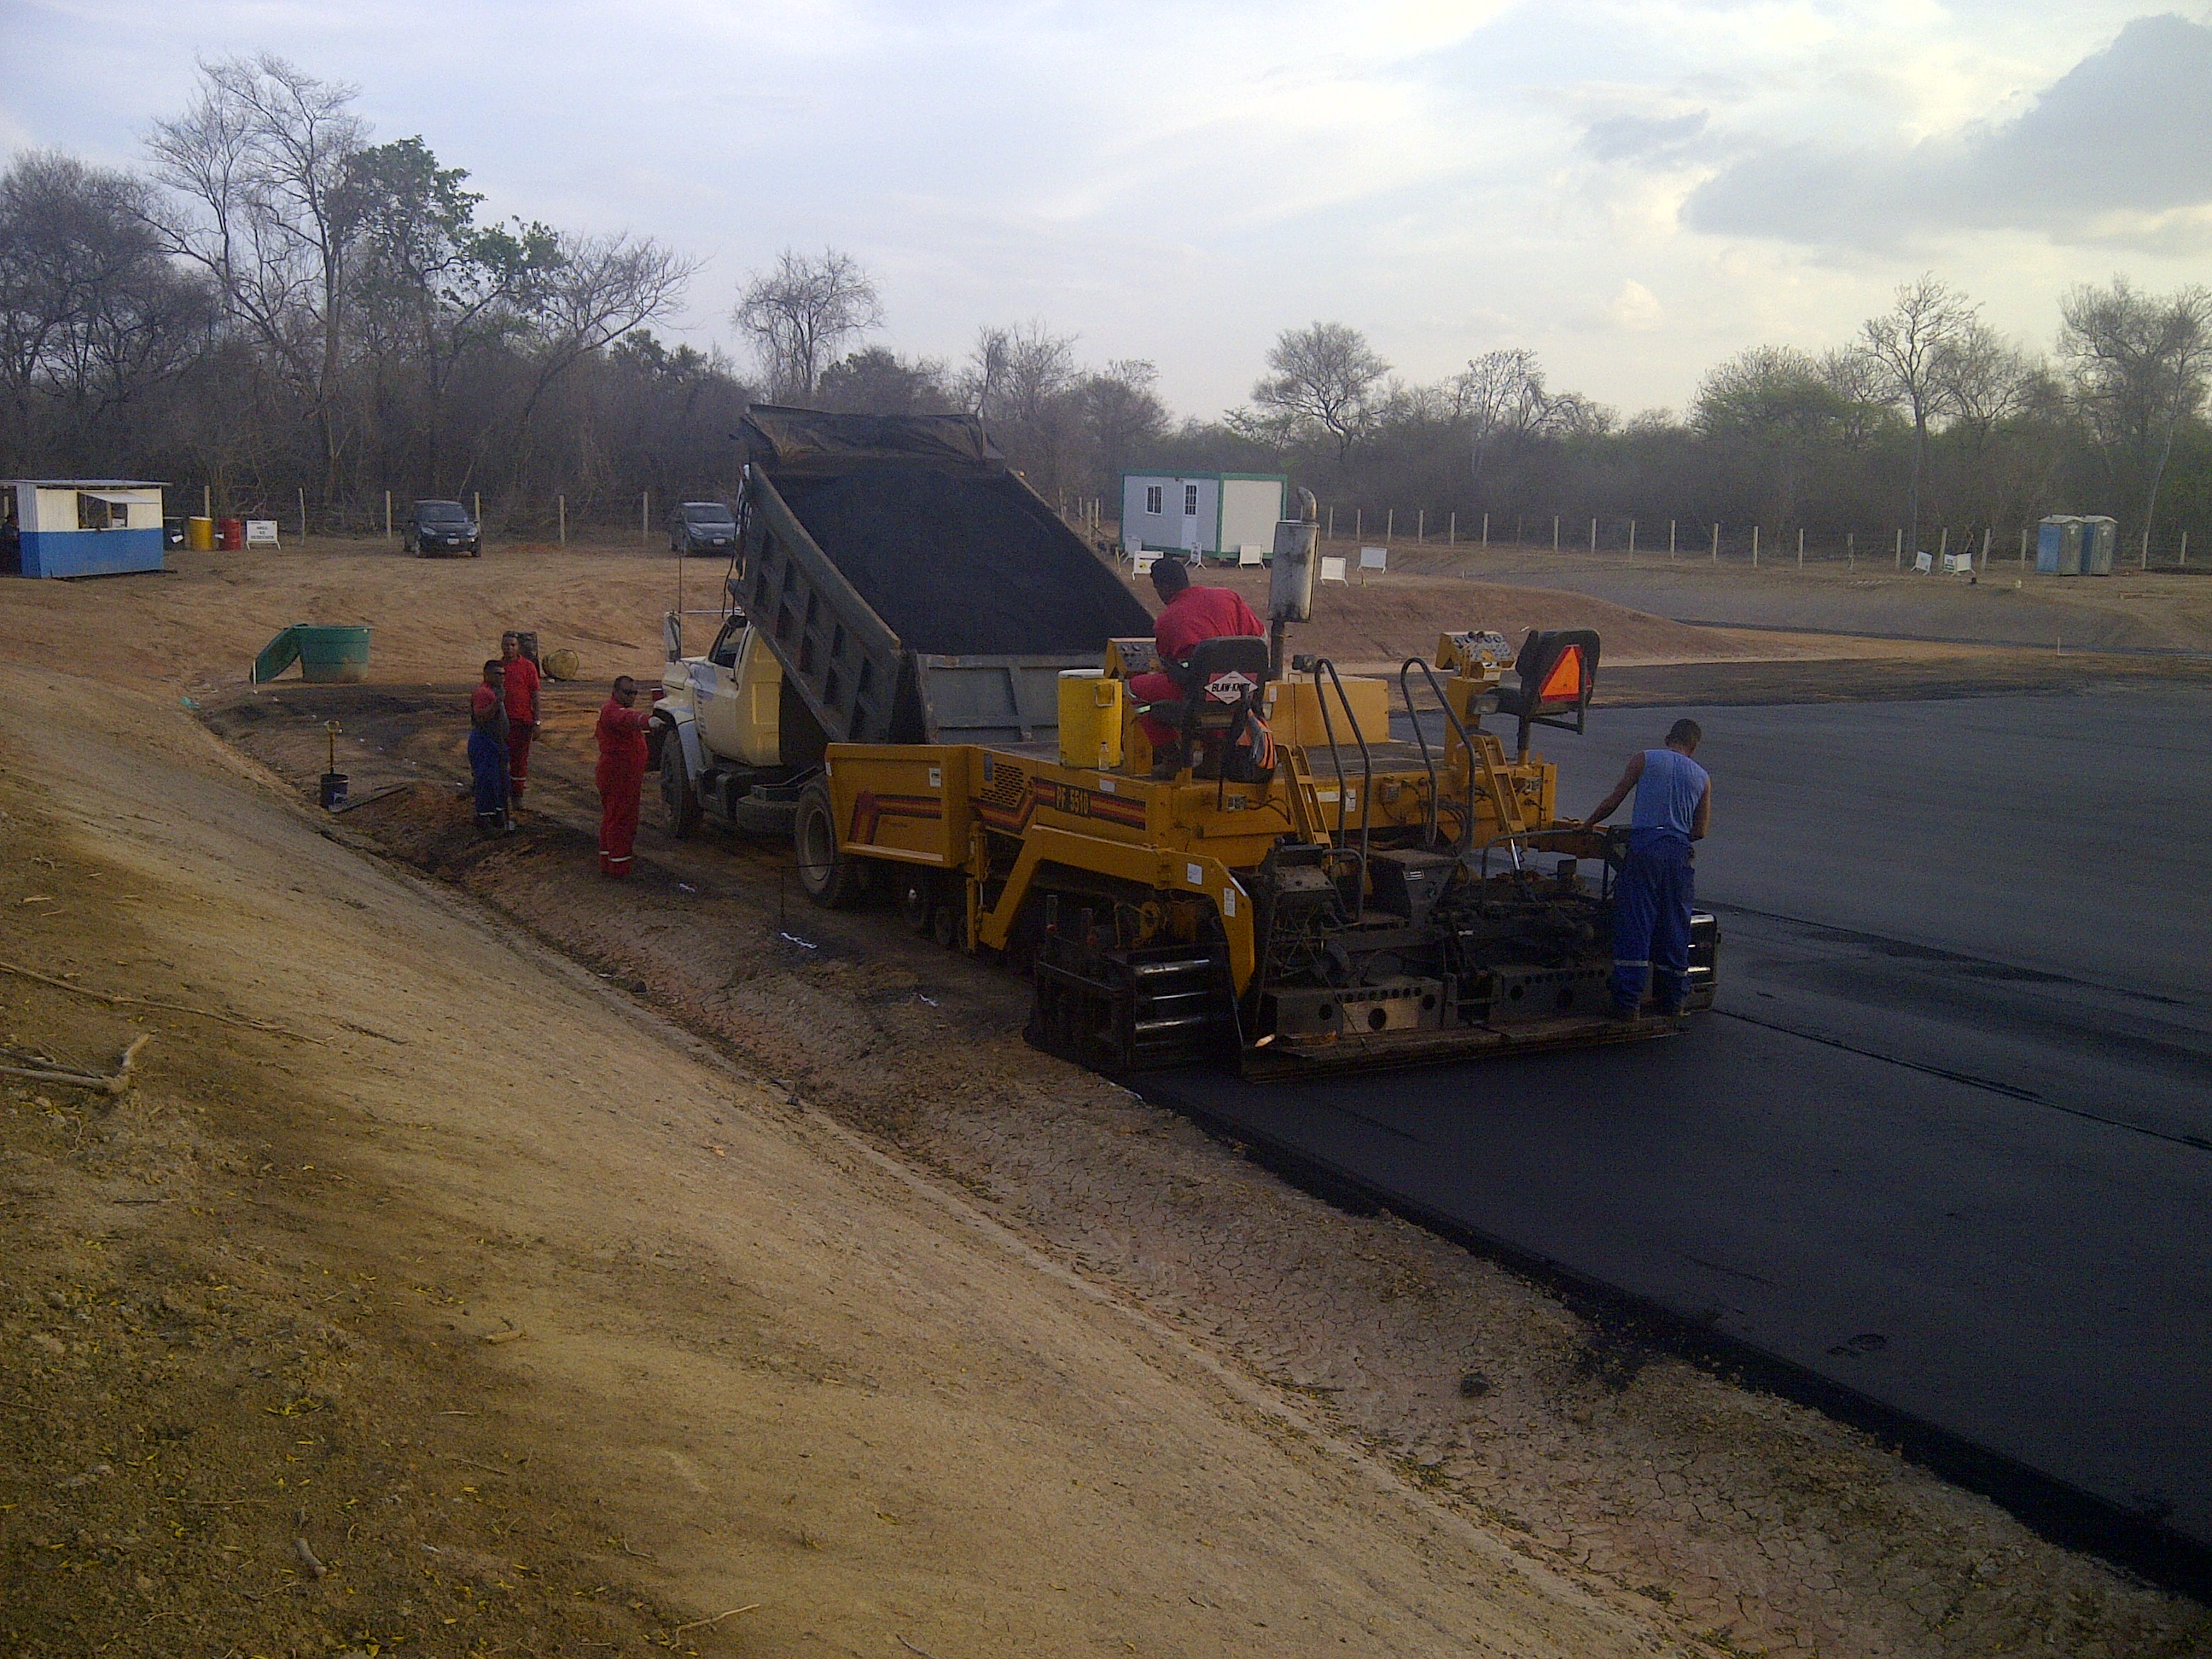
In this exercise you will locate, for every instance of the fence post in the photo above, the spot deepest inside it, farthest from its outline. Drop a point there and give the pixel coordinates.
(1901, 549)
(2145, 560)
(1485, 530)
(1592, 535)
(1942, 547)
(1754, 546)
(1390, 524)
(388, 517)
(2184, 547)
(1555, 533)
(1451, 532)
(1717, 543)
(303, 512)
(1358, 522)
(2023, 544)
(476, 496)
(645, 520)
(1632, 538)
(560, 510)
(207, 502)
(1421, 525)
(1986, 533)
(1800, 547)
(1331, 522)
(1851, 550)
(1670, 540)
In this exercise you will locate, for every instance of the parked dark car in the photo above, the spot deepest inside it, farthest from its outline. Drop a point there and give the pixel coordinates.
(441, 527)
(701, 528)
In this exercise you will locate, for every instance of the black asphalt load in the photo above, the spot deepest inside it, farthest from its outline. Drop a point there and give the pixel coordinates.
(1945, 1146)
(956, 565)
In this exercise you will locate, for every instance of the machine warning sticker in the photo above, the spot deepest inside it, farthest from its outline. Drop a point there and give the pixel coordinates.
(937, 777)
(1195, 874)
(1229, 901)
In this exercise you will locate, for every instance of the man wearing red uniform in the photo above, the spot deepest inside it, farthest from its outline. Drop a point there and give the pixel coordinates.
(621, 776)
(522, 710)
(1192, 614)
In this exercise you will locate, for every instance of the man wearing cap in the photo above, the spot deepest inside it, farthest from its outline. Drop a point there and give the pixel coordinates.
(1651, 901)
(1190, 615)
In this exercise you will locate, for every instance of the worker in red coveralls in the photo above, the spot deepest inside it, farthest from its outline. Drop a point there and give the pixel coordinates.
(622, 775)
(522, 711)
(1192, 614)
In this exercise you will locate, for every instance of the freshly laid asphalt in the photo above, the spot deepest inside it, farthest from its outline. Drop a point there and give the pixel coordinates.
(1945, 1145)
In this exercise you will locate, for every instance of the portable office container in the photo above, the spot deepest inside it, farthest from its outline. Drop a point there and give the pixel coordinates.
(81, 526)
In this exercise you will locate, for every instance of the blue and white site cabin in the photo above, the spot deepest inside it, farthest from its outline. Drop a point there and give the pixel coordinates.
(81, 526)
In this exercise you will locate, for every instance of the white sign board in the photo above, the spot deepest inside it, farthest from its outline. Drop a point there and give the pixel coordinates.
(1923, 563)
(1332, 569)
(1248, 554)
(1141, 563)
(1374, 558)
(261, 533)
(1958, 564)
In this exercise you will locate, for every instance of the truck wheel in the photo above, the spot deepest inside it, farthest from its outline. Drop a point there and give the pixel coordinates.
(831, 876)
(679, 801)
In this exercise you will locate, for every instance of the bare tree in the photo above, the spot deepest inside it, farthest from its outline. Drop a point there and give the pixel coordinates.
(1326, 373)
(800, 314)
(2140, 365)
(596, 290)
(262, 162)
(93, 316)
(1908, 342)
(1500, 400)
(1121, 413)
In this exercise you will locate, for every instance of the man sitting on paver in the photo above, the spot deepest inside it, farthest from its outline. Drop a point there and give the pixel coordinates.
(1192, 614)
(1651, 901)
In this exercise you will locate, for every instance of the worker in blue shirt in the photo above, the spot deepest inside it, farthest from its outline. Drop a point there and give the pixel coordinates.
(1651, 901)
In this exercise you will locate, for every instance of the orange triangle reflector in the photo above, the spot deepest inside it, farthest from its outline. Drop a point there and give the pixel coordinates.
(1565, 683)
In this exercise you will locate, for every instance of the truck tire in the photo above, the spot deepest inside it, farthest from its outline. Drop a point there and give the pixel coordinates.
(679, 801)
(831, 876)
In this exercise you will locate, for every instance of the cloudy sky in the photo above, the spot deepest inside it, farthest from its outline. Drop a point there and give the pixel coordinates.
(1634, 187)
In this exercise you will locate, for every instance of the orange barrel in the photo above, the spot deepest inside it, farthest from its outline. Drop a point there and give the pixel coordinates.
(231, 533)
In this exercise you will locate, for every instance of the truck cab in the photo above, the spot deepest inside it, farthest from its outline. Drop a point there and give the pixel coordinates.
(733, 742)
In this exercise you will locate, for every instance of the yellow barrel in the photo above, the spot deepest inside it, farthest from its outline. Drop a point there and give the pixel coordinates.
(199, 535)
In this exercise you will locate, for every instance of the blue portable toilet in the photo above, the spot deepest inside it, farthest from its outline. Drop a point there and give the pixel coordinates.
(80, 526)
(2058, 546)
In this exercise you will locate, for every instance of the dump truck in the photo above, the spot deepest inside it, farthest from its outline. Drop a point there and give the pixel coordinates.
(925, 680)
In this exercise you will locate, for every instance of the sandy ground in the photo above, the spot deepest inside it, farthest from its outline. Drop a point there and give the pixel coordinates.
(579, 1263)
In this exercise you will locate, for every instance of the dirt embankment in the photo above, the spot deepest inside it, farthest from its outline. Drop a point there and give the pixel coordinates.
(425, 1296)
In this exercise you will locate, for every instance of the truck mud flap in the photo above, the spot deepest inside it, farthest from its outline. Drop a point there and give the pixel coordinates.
(1118, 1011)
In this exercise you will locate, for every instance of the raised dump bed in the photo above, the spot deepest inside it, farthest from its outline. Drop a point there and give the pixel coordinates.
(888, 559)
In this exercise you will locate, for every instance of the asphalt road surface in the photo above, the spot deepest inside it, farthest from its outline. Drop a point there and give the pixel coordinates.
(1946, 1144)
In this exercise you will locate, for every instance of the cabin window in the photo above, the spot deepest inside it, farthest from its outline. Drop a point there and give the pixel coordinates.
(1152, 500)
(91, 512)
(1190, 500)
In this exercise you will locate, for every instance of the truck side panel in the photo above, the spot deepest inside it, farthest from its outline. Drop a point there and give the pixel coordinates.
(905, 802)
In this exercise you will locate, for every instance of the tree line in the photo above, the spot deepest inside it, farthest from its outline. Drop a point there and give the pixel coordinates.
(278, 309)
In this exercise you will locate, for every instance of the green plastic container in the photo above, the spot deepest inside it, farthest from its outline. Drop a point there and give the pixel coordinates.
(327, 655)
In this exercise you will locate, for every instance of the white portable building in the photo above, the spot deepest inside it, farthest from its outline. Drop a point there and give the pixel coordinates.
(81, 526)
(1210, 515)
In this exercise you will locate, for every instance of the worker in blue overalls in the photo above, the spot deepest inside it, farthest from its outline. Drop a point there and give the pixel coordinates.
(1651, 901)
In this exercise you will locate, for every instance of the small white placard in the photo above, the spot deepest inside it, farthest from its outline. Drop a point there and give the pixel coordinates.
(1195, 874)
(1247, 554)
(1106, 787)
(261, 533)
(1374, 558)
(937, 777)
(1332, 569)
(1142, 563)
(1958, 564)
(1923, 563)
(1229, 901)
